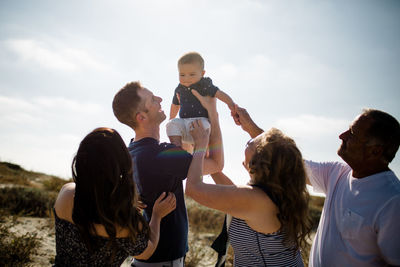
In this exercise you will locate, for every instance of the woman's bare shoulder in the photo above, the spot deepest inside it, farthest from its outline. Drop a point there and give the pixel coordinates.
(65, 202)
(264, 218)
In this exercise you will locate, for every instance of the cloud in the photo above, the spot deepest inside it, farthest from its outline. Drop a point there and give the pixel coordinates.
(16, 110)
(38, 110)
(51, 153)
(311, 126)
(10, 103)
(304, 71)
(294, 74)
(66, 104)
(227, 71)
(53, 55)
(43, 133)
(295, 71)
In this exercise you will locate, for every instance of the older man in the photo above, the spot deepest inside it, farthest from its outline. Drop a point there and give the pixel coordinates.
(359, 225)
(161, 167)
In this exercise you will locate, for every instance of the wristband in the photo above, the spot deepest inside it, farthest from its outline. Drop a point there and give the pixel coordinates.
(199, 152)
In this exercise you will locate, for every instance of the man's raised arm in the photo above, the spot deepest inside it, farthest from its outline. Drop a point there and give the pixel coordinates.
(215, 160)
(242, 118)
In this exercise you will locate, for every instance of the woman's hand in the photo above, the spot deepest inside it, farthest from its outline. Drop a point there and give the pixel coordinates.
(164, 204)
(200, 136)
(140, 206)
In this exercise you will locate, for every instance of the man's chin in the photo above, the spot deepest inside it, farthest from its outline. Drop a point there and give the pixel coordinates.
(341, 152)
(163, 117)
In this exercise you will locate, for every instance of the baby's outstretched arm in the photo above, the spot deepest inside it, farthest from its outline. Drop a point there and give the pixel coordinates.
(221, 95)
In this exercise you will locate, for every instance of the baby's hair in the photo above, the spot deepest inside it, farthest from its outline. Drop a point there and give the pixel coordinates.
(191, 57)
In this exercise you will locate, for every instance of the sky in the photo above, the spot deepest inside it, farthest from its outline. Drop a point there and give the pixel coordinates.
(305, 67)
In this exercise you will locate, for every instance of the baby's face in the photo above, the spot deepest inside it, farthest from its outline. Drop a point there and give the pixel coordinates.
(190, 73)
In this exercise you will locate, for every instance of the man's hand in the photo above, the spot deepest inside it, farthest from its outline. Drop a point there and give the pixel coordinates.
(243, 119)
(215, 160)
(208, 102)
(235, 115)
(200, 136)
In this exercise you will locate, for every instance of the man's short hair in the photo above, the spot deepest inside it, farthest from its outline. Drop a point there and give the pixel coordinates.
(126, 104)
(191, 57)
(384, 130)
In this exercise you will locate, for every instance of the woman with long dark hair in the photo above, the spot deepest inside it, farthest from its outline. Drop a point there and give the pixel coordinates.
(97, 219)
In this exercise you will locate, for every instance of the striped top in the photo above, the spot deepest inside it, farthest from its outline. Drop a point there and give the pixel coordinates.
(252, 248)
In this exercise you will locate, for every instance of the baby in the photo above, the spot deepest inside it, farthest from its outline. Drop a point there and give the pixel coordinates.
(191, 72)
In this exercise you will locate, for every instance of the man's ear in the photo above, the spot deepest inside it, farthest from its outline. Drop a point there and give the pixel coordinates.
(140, 117)
(202, 74)
(377, 151)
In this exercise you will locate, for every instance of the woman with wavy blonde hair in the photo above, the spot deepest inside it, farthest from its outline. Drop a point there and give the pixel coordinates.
(270, 221)
(277, 167)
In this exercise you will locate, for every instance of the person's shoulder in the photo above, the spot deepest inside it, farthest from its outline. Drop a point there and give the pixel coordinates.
(171, 151)
(208, 86)
(68, 190)
(178, 88)
(328, 165)
(166, 145)
(144, 151)
(207, 82)
(343, 167)
(65, 202)
(153, 149)
(142, 145)
(387, 189)
(394, 182)
(169, 147)
(264, 196)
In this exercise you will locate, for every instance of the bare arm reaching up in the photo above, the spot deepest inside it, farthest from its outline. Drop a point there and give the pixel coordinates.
(215, 161)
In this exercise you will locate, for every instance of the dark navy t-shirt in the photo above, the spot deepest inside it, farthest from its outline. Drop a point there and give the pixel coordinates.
(190, 106)
(161, 168)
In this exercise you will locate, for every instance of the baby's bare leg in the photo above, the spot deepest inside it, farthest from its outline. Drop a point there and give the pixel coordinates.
(188, 147)
(176, 140)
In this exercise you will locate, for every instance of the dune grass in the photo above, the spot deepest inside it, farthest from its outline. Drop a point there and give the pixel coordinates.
(33, 194)
(15, 250)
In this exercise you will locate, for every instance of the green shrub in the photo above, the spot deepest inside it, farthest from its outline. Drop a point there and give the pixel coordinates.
(16, 250)
(12, 166)
(315, 206)
(203, 219)
(317, 202)
(315, 216)
(54, 183)
(196, 254)
(26, 201)
(13, 174)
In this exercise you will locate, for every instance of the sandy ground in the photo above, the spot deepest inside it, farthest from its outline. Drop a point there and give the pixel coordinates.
(44, 228)
(46, 251)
